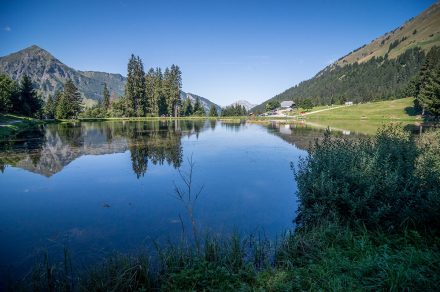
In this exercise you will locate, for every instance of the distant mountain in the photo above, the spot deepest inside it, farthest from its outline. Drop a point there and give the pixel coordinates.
(204, 101)
(247, 105)
(49, 74)
(378, 70)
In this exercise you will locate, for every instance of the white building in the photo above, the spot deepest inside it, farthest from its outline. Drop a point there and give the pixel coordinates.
(287, 104)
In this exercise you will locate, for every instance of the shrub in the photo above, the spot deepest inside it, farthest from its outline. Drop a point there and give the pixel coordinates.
(383, 182)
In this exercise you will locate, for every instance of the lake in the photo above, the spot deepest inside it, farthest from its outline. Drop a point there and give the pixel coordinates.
(110, 186)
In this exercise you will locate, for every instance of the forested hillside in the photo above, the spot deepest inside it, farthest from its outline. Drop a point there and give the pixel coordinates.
(380, 70)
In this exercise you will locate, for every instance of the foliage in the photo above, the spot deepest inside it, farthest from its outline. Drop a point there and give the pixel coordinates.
(50, 106)
(8, 93)
(153, 93)
(118, 108)
(187, 109)
(106, 98)
(19, 98)
(234, 110)
(273, 104)
(68, 103)
(377, 182)
(172, 85)
(135, 87)
(213, 111)
(306, 104)
(198, 108)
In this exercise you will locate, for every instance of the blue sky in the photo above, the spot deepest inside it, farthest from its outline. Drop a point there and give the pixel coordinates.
(227, 50)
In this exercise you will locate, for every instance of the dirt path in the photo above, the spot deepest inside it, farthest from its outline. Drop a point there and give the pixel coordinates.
(281, 114)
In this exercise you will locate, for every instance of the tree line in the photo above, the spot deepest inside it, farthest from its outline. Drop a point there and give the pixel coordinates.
(19, 97)
(234, 110)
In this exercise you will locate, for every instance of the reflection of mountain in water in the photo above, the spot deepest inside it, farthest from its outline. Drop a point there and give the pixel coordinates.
(47, 150)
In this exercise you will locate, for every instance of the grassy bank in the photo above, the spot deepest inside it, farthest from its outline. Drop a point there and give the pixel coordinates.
(368, 220)
(11, 125)
(395, 110)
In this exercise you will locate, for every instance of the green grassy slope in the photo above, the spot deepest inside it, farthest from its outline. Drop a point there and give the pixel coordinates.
(398, 109)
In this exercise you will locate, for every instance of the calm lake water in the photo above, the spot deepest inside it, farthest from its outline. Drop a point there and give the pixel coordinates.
(103, 187)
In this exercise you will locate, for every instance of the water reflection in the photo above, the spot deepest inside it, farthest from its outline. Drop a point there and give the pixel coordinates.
(47, 150)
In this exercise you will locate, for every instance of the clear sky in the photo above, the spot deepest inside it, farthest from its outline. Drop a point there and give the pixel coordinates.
(227, 49)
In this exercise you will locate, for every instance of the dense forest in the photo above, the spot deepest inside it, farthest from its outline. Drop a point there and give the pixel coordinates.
(377, 79)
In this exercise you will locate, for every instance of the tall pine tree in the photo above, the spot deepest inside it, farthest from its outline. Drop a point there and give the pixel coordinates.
(69, 102)
(49, 108)
(135, 87)
(149, 92)
(106, 98)
(429, 96)
(30, 102)
(174, 90)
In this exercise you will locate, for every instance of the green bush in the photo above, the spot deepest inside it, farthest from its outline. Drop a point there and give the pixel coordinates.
(389, 181)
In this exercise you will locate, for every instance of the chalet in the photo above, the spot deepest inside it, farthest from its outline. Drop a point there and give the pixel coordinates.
(287, 104)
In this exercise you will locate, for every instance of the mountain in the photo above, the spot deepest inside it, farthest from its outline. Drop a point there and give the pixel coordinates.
(379, 70)
(48, 74)
(206, 103)
(247, 105)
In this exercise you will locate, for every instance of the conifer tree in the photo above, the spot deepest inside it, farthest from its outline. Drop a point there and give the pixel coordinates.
(69, 102)
(49, 107)
(135, 87)
(213, 111)
(166, 90)
(30, 102)
(8, 93)
(106, 97)
(187, 108)
(429, 96)
(174, 90)
(150, 92)
(198, 108)
(159, 97)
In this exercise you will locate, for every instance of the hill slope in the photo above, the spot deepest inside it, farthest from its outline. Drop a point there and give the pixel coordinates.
(379, 70)
(422, 31)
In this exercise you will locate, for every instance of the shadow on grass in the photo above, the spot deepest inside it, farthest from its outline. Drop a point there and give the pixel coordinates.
(412, 111)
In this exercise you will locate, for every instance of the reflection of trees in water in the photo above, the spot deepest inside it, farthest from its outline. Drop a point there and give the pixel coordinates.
(46, 150)
(27, 144)
(157, 142)
(234, 126)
